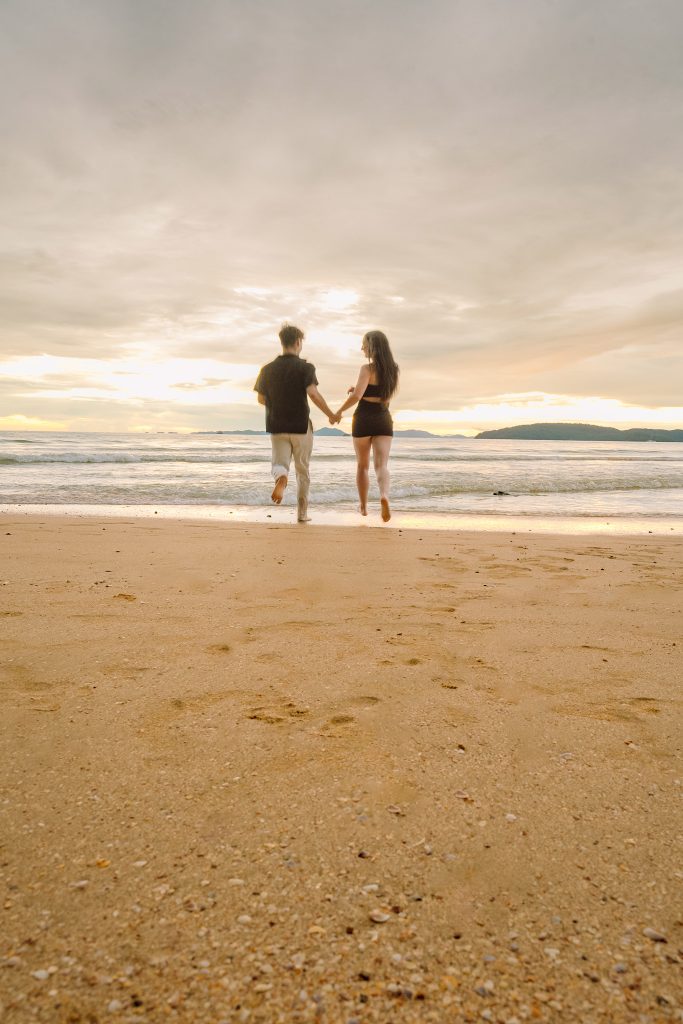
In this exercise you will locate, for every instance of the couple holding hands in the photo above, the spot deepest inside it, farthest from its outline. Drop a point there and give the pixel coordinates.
(284, 387)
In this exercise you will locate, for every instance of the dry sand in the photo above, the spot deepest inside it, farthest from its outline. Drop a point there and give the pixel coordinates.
(261, 773)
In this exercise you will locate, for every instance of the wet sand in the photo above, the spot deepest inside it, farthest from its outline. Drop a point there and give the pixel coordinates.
(269, 773)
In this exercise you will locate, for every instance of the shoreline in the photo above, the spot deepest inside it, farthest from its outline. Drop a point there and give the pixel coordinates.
(636, 526)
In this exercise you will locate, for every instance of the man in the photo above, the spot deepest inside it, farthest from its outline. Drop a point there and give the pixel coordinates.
(284, 387)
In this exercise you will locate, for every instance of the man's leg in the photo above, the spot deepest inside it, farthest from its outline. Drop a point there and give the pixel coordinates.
(302, 446)
(281, 446)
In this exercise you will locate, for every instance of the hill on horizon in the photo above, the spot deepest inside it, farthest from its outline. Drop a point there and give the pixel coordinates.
(579, 432)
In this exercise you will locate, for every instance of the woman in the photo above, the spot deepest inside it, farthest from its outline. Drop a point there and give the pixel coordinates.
(372, 427)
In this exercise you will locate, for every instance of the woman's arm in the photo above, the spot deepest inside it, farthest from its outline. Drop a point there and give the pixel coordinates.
(358, 391)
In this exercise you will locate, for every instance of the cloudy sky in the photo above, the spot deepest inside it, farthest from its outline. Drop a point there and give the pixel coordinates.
(497, 184)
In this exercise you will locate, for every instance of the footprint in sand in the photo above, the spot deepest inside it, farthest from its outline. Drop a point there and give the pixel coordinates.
(631, 710)
(341, 718)
(480, 663)
(336, 726)
(650, 703)
(294, 712)
(174, 707)
(511, 571)
(264, 716)
(198, 703)
(277, 714)
(21, 679)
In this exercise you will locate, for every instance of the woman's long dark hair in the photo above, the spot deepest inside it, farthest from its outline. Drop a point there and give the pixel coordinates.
(380, 356)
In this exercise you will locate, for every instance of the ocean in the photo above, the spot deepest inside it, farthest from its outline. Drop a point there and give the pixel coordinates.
(437, 477)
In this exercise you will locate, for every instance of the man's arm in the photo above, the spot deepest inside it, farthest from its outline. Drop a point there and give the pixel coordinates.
(259, 387)
(317, 399)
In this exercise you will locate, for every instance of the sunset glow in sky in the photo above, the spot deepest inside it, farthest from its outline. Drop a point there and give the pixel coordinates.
(495, 185)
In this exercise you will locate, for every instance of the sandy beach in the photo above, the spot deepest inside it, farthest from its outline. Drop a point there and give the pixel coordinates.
(262, 773)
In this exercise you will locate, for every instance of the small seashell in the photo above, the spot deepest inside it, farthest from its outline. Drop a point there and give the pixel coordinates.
(379, 917)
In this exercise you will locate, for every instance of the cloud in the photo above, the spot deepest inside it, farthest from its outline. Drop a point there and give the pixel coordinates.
(178, 179)
(20, 422)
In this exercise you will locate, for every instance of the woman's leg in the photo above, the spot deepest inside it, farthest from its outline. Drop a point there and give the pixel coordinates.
(362, 446)
(381, 447)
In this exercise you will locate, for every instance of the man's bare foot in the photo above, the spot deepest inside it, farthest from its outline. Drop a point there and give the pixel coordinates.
(303, 519)
(386, 511)
(279, 489)
(302, 515)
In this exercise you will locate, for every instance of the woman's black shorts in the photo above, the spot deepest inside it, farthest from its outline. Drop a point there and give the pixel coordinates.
(372, 419)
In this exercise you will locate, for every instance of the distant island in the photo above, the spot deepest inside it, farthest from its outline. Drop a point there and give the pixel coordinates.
(578, 432)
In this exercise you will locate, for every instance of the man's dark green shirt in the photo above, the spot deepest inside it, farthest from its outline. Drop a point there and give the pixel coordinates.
(283, 384)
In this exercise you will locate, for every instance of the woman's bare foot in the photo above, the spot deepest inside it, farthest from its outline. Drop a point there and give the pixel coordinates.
(363, 509)
(279, 489)
(386, 511)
